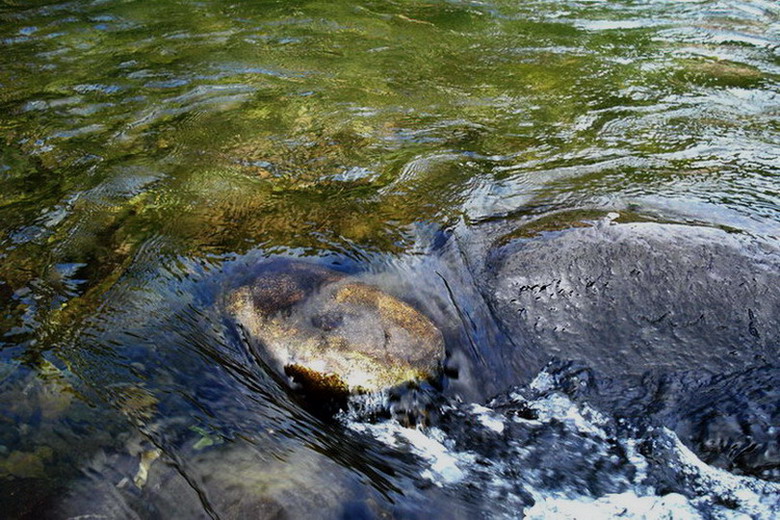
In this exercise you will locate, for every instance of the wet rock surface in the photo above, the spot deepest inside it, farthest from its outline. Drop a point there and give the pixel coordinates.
(629, 298)
(329, 332)
(667, 325)
(731, 421)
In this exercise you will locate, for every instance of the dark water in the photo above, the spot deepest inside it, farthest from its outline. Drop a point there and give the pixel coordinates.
(583, 196)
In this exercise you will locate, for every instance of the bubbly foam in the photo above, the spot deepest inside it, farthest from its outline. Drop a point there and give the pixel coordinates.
(492, 448)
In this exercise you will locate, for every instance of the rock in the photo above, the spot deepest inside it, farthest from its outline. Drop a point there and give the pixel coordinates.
(148, 458)
(234, 481)
(730, 421)
(21, 464)
(628, 298)
(331, 333)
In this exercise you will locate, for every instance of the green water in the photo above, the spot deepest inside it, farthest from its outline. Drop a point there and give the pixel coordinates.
(216, 128)
(179, 135)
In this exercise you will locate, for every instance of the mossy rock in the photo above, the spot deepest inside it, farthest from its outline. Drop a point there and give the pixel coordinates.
(330, 333)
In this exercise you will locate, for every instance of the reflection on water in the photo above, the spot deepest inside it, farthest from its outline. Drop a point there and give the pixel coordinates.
(152, 154)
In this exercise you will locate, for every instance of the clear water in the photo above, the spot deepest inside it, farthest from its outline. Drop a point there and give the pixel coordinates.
(152, 153)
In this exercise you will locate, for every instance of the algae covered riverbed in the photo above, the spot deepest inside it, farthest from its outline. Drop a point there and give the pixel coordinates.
(582, 196)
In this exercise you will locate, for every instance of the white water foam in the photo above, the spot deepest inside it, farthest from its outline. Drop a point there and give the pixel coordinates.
(624, 505)
(709, 488)
(444, 465)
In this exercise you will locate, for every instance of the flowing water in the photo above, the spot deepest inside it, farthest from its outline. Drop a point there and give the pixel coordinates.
(152, 154)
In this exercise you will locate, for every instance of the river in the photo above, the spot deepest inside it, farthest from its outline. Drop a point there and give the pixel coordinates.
(583, 196)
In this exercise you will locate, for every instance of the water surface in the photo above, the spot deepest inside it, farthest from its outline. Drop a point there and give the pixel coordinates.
(153, 153)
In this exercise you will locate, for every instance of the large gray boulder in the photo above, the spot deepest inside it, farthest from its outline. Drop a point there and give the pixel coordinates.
(628, 298)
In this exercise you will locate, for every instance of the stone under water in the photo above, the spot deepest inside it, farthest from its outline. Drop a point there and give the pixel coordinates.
(330, 333)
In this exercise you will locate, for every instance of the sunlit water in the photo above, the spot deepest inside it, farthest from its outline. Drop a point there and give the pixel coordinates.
(153, 153)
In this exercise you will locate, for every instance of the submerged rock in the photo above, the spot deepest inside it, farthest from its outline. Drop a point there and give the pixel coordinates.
(330, 333)
(628, 298)
(234, 481)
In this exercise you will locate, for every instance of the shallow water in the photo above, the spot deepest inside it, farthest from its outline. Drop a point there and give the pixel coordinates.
(152, 155)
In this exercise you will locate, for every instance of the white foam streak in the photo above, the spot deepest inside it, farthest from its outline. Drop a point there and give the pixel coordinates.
(709, 487)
